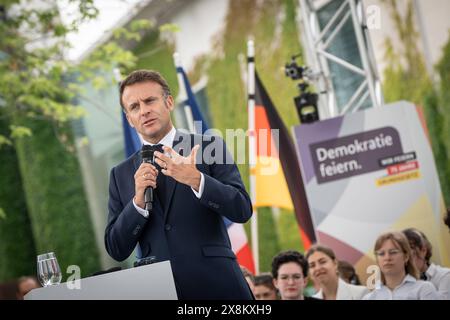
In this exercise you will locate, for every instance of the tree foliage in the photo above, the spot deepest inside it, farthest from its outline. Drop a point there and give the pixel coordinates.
(406, 78)
(36, 80)
(43, 206)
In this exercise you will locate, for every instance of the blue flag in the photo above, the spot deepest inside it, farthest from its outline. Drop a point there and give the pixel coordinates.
(131, 138)
(192, 103)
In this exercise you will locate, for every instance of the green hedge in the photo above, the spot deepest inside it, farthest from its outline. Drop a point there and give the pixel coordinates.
(17, 252)
(55, 198)
(410, 81)
(269, 245)
(157, 55)
(443, 160)
(436, 126)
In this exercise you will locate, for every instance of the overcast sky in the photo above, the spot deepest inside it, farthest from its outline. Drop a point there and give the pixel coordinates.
(110, 12)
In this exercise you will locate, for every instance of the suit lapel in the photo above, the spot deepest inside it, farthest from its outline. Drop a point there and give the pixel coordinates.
(137, 160)
(170, 188)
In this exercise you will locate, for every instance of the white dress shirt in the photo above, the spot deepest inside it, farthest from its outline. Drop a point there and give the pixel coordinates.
(168, 142)
(409, 289)
(440, 277)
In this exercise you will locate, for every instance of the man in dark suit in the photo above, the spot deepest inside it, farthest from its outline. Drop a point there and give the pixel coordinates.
(195, 188)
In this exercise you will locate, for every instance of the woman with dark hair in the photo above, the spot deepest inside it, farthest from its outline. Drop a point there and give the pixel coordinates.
(348, 273)
(399, 275)
(323, 268)
(421, 252)
(290, 275)
(264, 288)
(447, 218)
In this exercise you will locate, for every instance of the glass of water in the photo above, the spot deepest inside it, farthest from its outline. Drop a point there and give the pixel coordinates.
(48, 269)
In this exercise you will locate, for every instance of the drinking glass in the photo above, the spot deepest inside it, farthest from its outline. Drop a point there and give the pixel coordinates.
(48, 269)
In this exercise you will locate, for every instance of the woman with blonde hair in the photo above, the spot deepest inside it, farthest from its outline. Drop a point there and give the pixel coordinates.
(399, 275)
(323, 269)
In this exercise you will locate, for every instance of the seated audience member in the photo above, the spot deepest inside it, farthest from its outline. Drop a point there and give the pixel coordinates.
(348, 273)
(323, 268)
(249, 277)
(399, 275)
(421, 252)
(289, 271)
(264, 288)
(25, 285)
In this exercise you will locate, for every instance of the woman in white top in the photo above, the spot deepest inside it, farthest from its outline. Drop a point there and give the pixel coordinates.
(421, 252)
(323, 268)
(398, 272)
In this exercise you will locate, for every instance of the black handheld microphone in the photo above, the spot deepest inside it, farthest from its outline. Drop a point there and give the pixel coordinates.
(148, 157)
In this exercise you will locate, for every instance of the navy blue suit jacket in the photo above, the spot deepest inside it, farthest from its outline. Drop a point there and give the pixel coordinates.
(190, 232)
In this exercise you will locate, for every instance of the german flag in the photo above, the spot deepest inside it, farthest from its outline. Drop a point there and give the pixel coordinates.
(277, 172)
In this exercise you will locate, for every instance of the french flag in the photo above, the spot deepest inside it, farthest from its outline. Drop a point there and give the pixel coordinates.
(239, 244)
(236, 231)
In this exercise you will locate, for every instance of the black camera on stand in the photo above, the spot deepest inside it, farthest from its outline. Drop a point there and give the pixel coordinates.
(306, 102)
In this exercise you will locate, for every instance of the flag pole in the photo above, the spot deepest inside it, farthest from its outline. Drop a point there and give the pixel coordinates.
(252, 147)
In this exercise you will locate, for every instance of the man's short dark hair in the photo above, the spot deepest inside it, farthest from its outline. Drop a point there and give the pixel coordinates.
(140, 76)
(289, 256)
